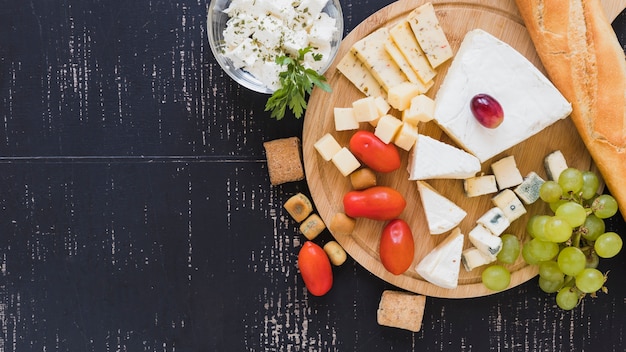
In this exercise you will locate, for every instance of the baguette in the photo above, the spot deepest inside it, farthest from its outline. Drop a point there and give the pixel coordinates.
(585, 61)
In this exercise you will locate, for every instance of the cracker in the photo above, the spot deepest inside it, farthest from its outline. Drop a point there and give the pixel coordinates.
(402, 310)
(284, 160)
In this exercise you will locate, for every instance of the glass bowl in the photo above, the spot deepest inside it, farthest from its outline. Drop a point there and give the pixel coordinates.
(216, 23)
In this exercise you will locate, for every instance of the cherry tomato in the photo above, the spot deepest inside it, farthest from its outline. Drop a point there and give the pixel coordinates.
(376, 154)
(376, 203)
(315, 269)
(396, 246)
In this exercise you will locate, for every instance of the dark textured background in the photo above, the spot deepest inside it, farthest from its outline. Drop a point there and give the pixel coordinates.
(136, 212)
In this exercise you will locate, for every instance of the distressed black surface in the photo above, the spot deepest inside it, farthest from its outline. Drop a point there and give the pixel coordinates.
(136, 212)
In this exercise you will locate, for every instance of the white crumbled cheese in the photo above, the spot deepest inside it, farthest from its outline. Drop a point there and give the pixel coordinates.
(259, 31)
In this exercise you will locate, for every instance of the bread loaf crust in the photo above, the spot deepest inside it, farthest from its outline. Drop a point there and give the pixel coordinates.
(585, 61)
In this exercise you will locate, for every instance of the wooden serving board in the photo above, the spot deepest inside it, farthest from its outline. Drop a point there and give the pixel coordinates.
(327, 185)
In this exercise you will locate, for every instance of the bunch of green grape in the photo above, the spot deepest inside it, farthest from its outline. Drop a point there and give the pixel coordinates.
(567, 246)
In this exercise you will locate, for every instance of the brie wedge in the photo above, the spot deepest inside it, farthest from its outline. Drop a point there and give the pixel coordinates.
(432, 159)
(442, 265)
(442, 214)
(484, 64)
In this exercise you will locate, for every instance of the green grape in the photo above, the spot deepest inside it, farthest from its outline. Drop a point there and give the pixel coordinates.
(590, 184)
(536, 226)
(550, 191)
(592, 260)
(496, 277)
(527, 255)
(589, 280)
(573, 213)
(604, 206)
(558, 230)
(510, 249)
(608, 245)
(555, 205)
(592, 228)
(571, 261)
(550, 271)
(543, 250)
(571, 180)
(567, 298)
(548, 286)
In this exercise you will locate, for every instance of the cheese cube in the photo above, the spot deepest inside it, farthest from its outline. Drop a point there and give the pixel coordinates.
(365, 109)
(357, 73)
(382, 105)
(403, 36)
(345, 161)
(495, 221)
(344, 119)
(406, 137)
(327, 146)
(387, 128)
(429, 34)
(399, 96)
(528, 191)
(487, 243)
(510, 205)
(555, 164)
(480, 185)
(472, 258)
(421, 109)
(506, 172)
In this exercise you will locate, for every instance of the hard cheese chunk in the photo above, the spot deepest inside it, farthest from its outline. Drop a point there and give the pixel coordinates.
(400, 96)
(442, 214)
(430, 35)
(442, 265)
(403, 36)
(345, 161)
(421, 109)
(357, 73)
(432, 159)
(327, 146)
(371, 51)
(387, 128)
(406, 137)
(484, 64)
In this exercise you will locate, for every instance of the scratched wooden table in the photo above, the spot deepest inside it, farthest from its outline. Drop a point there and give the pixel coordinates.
(136, 212)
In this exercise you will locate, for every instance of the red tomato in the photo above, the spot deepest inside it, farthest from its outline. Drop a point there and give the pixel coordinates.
(376, 203)
(315, 269)
(376, 154)
(396, 246)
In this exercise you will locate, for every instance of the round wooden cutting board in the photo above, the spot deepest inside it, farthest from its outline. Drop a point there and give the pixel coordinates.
(327, 185)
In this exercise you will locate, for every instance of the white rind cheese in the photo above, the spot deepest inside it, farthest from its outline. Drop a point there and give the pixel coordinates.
(442, 265)
(472, 258)
(484, 64)
(487, 243)
(442, 214)
(495, 221)
(480, 185)
(555, 163)
(506, 172)
(433, 159)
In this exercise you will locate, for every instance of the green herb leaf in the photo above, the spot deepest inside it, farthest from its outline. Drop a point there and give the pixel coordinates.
(296, 83)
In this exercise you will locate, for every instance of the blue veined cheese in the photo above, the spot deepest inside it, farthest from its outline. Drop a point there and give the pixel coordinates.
(472, 258)
(486, 242)
(442, 214)
(528, 191)
(433, 159)
(495, 221)
(485, 64)
(442, 264)
(510, 205)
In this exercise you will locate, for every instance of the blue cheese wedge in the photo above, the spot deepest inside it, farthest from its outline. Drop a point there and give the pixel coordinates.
(442, 265)
(486, 242)
(433, 159)
(442, 215)
(485, 64)
(528, 191)
(495, 221)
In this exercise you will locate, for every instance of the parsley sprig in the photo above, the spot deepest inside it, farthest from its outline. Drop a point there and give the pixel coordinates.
(296, 82)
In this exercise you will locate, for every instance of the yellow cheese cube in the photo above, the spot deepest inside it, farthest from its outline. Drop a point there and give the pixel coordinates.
(344, 119)
(399, 96)
(365, 109)
(327, 146)
(387, 128)
(345, 161)
(383, 109)
(421, 109)
(406, 137)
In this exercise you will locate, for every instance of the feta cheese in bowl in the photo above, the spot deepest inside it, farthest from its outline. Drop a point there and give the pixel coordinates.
(246, 36)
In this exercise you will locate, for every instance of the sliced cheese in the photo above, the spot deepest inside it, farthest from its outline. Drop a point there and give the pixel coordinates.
(442, 215)
(429, 34)
(371, 51)
(396, 55)
(357, 73)
(403, 36)
(484, 64)
(442, 264)
(432, 159)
